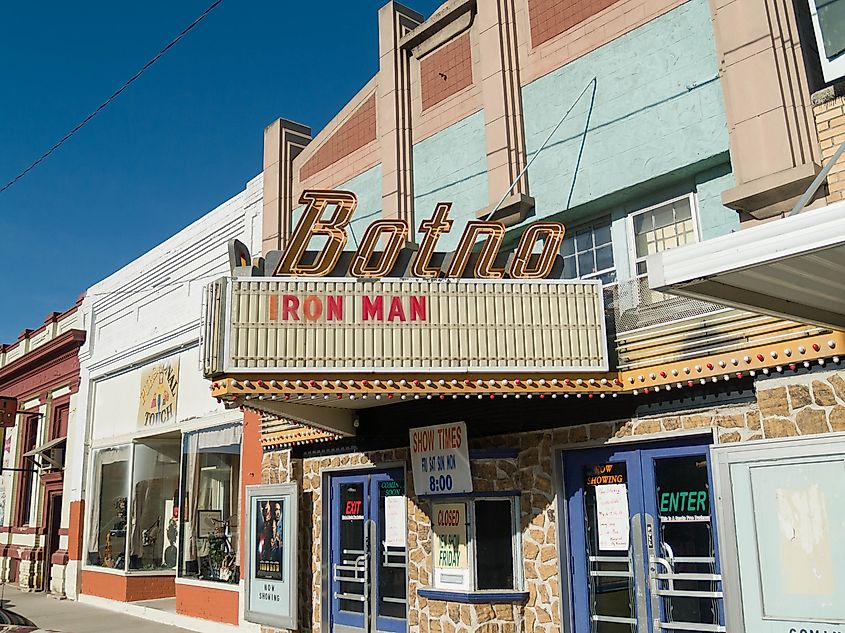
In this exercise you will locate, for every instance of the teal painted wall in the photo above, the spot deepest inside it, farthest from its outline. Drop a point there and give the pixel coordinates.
(715, 218)
(657, 111)
(367, 186)
(451, 166)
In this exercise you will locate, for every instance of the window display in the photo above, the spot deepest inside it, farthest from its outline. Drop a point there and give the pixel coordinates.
(107, 526)
(210, 503)
(154, 505)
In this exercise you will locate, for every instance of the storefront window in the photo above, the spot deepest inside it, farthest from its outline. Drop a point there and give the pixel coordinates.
(109, 506)
(154, 505)
(210, 510)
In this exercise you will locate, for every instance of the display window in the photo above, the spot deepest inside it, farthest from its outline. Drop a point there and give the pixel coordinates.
(154, 510)
(210, 504)
(109, 507)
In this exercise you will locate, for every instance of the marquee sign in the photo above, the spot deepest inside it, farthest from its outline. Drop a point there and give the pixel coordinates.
(405, 306)
(278, 325)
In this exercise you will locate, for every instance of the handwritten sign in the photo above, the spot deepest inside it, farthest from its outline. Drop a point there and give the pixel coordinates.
(612, 517)
(159, 392)
(395, 529)
(451, 565)
(440, 459)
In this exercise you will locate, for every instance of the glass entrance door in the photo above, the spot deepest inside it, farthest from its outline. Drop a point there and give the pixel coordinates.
(642, 540)
(368, 552)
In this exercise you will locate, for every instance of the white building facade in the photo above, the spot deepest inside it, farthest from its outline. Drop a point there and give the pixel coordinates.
(153, 467)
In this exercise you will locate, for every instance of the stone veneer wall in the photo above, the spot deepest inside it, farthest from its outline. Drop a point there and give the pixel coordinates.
(786, 406)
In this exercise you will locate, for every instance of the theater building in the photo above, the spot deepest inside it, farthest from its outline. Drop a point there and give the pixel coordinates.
(154, 465)
(39, 380)
(481, 441)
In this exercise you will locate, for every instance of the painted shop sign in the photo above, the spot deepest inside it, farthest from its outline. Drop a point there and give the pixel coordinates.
(451, 563)
(159, 393)
(271, 555)
(440, 459)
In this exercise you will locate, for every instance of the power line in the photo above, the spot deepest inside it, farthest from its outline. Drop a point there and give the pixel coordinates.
(114, 95)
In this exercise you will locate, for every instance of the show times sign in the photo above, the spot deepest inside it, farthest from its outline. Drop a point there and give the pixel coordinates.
(440, 459)
(159, 393)
(271, 555)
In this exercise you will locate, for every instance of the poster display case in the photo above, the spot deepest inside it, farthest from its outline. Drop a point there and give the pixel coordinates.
(270, 549)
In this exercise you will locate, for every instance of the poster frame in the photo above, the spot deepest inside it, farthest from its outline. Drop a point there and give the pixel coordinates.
(290, 493)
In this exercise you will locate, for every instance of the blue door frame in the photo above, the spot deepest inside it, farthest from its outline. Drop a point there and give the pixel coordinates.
(649, 580)
(368, 581)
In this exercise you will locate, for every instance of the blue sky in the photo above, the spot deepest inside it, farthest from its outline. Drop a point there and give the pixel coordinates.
(182, 139)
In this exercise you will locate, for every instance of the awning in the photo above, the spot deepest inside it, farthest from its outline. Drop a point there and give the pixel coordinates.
(51, 453)
(792, 268)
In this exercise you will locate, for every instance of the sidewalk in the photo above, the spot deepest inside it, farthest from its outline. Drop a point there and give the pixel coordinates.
(68, 616)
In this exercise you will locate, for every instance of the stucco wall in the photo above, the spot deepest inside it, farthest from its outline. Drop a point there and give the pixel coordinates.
(657, 109)
(451, 166)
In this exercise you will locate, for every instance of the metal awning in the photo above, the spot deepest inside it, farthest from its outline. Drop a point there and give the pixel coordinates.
(792, 268)
(51, 453)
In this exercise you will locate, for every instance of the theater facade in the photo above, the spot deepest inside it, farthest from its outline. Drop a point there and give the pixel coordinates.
(479, 406)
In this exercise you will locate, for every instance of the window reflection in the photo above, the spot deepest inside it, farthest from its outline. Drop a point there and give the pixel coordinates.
(210, 504)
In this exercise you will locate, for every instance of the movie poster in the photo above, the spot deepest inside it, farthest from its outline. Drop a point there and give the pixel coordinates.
(269, 537)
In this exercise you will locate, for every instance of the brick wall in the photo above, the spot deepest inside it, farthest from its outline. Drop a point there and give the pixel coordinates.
(446, 71)
(829, 112)
(358, 130)
(549, 18)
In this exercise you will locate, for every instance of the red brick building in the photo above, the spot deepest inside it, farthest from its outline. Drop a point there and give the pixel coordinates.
(41, 371)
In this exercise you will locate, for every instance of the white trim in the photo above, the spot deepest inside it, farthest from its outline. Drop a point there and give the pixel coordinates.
(764, 243)
(696, 270)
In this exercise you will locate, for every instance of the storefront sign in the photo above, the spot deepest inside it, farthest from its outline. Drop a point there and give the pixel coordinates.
(679, 506)
(613, 520)
(440, 459)
(542, 238)
(159, 393)
(271, 555)
(280, 326)
(395, 513)
(602, 474)
(451, 565)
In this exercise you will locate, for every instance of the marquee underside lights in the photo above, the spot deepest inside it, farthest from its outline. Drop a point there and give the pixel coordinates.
(305, 388)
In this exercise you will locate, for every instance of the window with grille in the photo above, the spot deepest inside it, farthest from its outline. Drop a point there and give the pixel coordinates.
(588, 253)
(657, 229)
(662, 227)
